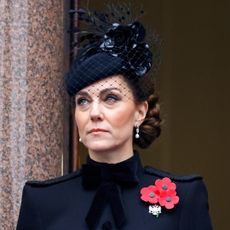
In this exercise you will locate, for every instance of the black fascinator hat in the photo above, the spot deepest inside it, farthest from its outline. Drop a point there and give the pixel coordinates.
(112, 42)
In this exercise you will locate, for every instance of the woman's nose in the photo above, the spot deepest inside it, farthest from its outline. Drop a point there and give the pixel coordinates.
(96, 111)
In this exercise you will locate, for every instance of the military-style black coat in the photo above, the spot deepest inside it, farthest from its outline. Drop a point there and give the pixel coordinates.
(63, 204)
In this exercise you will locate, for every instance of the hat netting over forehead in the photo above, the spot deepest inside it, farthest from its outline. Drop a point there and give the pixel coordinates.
(112, 43)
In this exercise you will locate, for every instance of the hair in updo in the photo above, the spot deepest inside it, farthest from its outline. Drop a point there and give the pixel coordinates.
(143, 90)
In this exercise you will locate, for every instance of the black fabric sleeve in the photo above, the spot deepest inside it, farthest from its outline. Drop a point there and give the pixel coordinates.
(195, 213)
(29, 213)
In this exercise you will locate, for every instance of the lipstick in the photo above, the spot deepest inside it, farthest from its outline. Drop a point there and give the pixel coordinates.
(96, 130)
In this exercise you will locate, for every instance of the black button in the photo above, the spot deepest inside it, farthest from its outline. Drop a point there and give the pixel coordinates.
(107, 226)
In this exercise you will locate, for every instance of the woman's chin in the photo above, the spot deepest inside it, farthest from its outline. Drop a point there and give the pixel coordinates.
(99, 146)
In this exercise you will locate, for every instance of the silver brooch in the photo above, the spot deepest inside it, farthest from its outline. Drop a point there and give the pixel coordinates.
(155, 210)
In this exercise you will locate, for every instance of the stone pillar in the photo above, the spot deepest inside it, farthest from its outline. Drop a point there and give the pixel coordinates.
(31, 98)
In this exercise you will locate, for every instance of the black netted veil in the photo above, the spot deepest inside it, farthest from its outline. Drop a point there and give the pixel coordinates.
(111, 43)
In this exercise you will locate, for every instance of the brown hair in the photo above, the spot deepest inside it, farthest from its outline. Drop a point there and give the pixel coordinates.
(143, 90)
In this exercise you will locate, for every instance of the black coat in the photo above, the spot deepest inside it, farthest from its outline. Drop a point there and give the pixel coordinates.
(63, 203)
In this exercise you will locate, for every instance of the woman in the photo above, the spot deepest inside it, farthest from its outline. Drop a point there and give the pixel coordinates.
(115, 109)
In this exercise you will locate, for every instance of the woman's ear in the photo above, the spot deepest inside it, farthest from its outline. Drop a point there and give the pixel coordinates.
(142, 109)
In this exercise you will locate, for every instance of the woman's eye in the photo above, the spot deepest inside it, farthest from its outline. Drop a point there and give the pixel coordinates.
(82, 101)
(111, 98)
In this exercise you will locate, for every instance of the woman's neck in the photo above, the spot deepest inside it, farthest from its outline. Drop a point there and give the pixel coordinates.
(110, 157)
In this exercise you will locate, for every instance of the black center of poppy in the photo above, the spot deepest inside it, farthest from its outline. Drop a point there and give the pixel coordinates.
(151, 194)
(164, 187)
(168, 199)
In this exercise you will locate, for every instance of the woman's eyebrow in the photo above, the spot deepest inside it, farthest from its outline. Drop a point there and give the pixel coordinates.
(106, 90)
(82, 93)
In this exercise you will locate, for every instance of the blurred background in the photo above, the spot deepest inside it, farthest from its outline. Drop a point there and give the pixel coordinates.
(37, 135)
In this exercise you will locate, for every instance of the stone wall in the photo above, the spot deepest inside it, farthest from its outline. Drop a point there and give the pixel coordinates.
(31, 98)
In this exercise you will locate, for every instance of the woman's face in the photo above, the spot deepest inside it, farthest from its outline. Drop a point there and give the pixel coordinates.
(106, 114)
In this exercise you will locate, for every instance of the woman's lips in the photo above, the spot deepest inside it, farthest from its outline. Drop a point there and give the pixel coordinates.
(97, 130)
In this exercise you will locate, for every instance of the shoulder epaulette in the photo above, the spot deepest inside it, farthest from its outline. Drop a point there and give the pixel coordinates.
(54, 181)
(179, 178)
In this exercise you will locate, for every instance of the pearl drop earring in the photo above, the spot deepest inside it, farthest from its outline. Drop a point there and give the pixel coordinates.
(137, 135)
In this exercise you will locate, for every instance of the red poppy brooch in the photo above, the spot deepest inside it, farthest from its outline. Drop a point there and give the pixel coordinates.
(162, 194)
